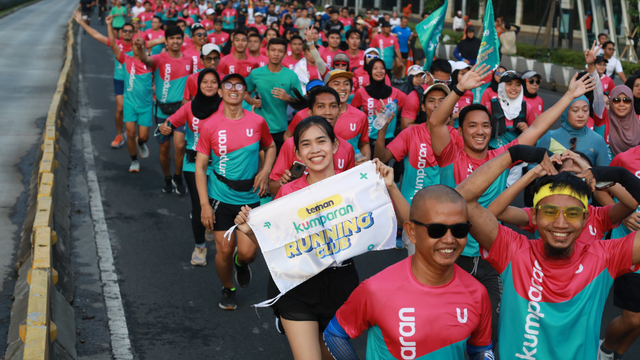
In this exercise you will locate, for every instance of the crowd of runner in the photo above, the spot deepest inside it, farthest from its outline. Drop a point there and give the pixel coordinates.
(264, 99)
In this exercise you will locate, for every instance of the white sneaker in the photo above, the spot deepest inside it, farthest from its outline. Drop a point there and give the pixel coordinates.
(199, 256)
(602, 355)
(135, 166)
(143, 149)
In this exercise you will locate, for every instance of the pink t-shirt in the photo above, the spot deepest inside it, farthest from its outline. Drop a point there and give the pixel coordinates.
(536, 105)
(327, 55)
(218, 39)
(230, 65)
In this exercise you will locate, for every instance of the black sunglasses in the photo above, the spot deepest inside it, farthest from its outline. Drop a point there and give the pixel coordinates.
(436, 231)
(534, 81)
(127, 31)
(626, 100)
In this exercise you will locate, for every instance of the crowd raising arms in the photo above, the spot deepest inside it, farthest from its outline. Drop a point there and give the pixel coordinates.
(226, 185)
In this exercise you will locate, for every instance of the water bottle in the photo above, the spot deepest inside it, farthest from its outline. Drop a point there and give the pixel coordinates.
(384, 117)
(358, 155)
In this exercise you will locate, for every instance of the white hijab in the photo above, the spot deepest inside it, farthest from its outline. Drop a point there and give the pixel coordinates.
(510, 107)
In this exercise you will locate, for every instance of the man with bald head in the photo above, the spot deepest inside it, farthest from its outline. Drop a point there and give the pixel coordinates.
(391, 304)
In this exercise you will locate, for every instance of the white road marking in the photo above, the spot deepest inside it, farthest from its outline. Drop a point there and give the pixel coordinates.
(120, 343)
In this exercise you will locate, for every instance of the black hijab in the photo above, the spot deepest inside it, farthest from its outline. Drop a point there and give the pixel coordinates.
(494, 84)
(636, 102)
(377, 89)
(203, 106)
(526, 92)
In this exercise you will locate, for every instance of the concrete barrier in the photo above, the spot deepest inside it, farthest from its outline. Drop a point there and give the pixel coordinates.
(42, 320)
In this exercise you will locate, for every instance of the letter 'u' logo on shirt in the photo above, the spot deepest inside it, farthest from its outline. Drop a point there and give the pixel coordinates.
(249, 132)
(340, 163)
(352, 126)
(462, 320)
(592, 231)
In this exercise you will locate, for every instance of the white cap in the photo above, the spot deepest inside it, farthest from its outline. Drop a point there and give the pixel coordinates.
(257, 14)
(372, 50)
(209, 12)
(458, 65)
(208, 48)
(415, 70)
(327, 6)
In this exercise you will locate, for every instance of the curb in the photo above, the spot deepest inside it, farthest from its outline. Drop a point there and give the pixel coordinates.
(42, 322)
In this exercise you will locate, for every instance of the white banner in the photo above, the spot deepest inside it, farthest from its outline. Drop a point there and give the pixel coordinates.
(324, 224)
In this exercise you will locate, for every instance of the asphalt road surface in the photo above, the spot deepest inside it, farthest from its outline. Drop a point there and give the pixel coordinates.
(171, 307)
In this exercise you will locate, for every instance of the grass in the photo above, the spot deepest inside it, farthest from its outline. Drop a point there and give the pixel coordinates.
(17, 3)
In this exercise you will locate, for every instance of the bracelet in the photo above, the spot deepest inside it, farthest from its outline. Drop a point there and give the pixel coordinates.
(309, 43)
(457, 91)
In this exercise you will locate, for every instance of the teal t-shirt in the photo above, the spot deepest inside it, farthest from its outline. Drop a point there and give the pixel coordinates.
(118, 21)
(273, 110)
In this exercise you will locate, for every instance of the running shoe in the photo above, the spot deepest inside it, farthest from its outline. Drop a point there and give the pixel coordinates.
(178, 184)
(117, 142)
(602, 355)
(228, 299)
(143, 149)
(243, 273)
(199, 256)
(168, 186)
(135, 166)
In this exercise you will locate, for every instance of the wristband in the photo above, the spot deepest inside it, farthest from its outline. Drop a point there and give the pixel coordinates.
(309, 43)
(457, 91)
(526, 153)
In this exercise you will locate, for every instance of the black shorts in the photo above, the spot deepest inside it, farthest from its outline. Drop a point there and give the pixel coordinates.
(405, 55)
(626, 292)
(226, 214)
(278, 139)
(318, 298)
(87, 11)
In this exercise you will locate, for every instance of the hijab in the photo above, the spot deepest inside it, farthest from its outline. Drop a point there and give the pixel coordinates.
(564, 119)
(494, 84)
(203, 106)
(526, 92)
(624, 132)
(377, 89)
(510, 107)
(636, 101)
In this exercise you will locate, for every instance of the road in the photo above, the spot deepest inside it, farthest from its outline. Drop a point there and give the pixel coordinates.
(170, 306)
(32, 56)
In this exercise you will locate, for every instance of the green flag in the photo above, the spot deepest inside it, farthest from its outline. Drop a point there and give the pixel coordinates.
(489, 47)
(429, 31)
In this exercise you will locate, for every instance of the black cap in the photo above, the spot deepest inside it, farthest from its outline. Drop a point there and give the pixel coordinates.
(384, 23)
(600, 59)
(509, 75)
(470, 28)
(237, 76)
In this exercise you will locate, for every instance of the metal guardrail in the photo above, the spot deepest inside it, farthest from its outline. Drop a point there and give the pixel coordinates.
(39, 331)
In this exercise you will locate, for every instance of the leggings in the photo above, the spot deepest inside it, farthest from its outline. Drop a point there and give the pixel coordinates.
(196, 222)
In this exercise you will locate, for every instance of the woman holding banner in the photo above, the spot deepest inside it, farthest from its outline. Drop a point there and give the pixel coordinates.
(307, 309)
